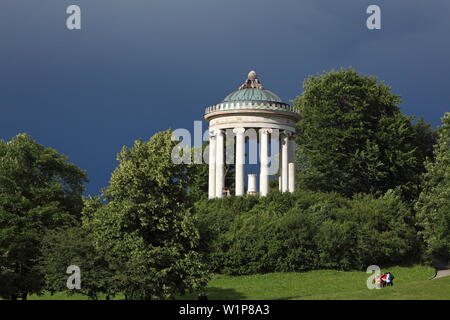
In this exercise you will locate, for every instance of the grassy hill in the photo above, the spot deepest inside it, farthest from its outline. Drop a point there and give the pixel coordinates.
(409, 283)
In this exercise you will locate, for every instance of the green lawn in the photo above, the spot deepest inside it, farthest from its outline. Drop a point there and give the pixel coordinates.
(409, 283)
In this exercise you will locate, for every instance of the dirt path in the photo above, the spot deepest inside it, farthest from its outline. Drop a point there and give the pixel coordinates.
(441, 274)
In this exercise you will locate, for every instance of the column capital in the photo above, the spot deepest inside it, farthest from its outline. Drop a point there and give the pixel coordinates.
(239, 130)
(265, 130)
(213, 133)
(288, 133)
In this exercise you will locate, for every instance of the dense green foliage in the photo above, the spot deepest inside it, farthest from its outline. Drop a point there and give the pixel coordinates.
(39, 190)
(433, 206)
(306, 231)
(145, 231)
(73, 246)
(353, 138)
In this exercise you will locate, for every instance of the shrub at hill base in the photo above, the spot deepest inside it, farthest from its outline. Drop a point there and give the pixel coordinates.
(305, 231)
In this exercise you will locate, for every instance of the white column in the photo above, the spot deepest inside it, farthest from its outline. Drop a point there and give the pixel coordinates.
(251, 184)
(219, 164)
(264, 175)
(240, 160)
(280, 159)
(259, 156)
(212, 165)
(292, 155)
(284, 161)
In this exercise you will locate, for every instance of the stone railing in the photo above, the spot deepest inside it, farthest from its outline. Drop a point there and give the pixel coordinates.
(251, 105)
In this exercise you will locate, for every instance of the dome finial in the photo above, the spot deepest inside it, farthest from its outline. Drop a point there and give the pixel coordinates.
(251, 82)
(252, 75)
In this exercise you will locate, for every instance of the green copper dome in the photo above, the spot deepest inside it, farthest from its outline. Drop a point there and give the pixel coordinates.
(252, 94)
(251, 97)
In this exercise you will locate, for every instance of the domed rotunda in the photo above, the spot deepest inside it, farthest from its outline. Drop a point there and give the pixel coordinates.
(251, 112)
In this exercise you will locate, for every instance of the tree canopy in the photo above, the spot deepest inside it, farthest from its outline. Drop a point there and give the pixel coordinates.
(433, 206)
(64, 247)
(353, 138)
(39, 190)
(145, 231)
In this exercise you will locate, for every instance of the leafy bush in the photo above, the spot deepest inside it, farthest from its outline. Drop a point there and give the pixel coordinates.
(305, 231)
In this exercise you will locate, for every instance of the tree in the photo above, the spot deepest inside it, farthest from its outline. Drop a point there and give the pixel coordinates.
(426, 138)
(353, 138)
(39, 190)
(145, 231)
(433, 206)
(64, 247)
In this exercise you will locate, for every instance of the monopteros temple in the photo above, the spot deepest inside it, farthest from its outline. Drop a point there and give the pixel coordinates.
(251, 112)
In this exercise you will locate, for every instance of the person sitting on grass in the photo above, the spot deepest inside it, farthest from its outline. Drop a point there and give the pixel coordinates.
(377, 281)
(390, 279)
(383, 280)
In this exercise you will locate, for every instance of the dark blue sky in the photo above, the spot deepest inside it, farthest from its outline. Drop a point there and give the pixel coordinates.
(141, 66)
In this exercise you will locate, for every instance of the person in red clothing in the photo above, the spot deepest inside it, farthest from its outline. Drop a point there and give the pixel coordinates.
(383, 280)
